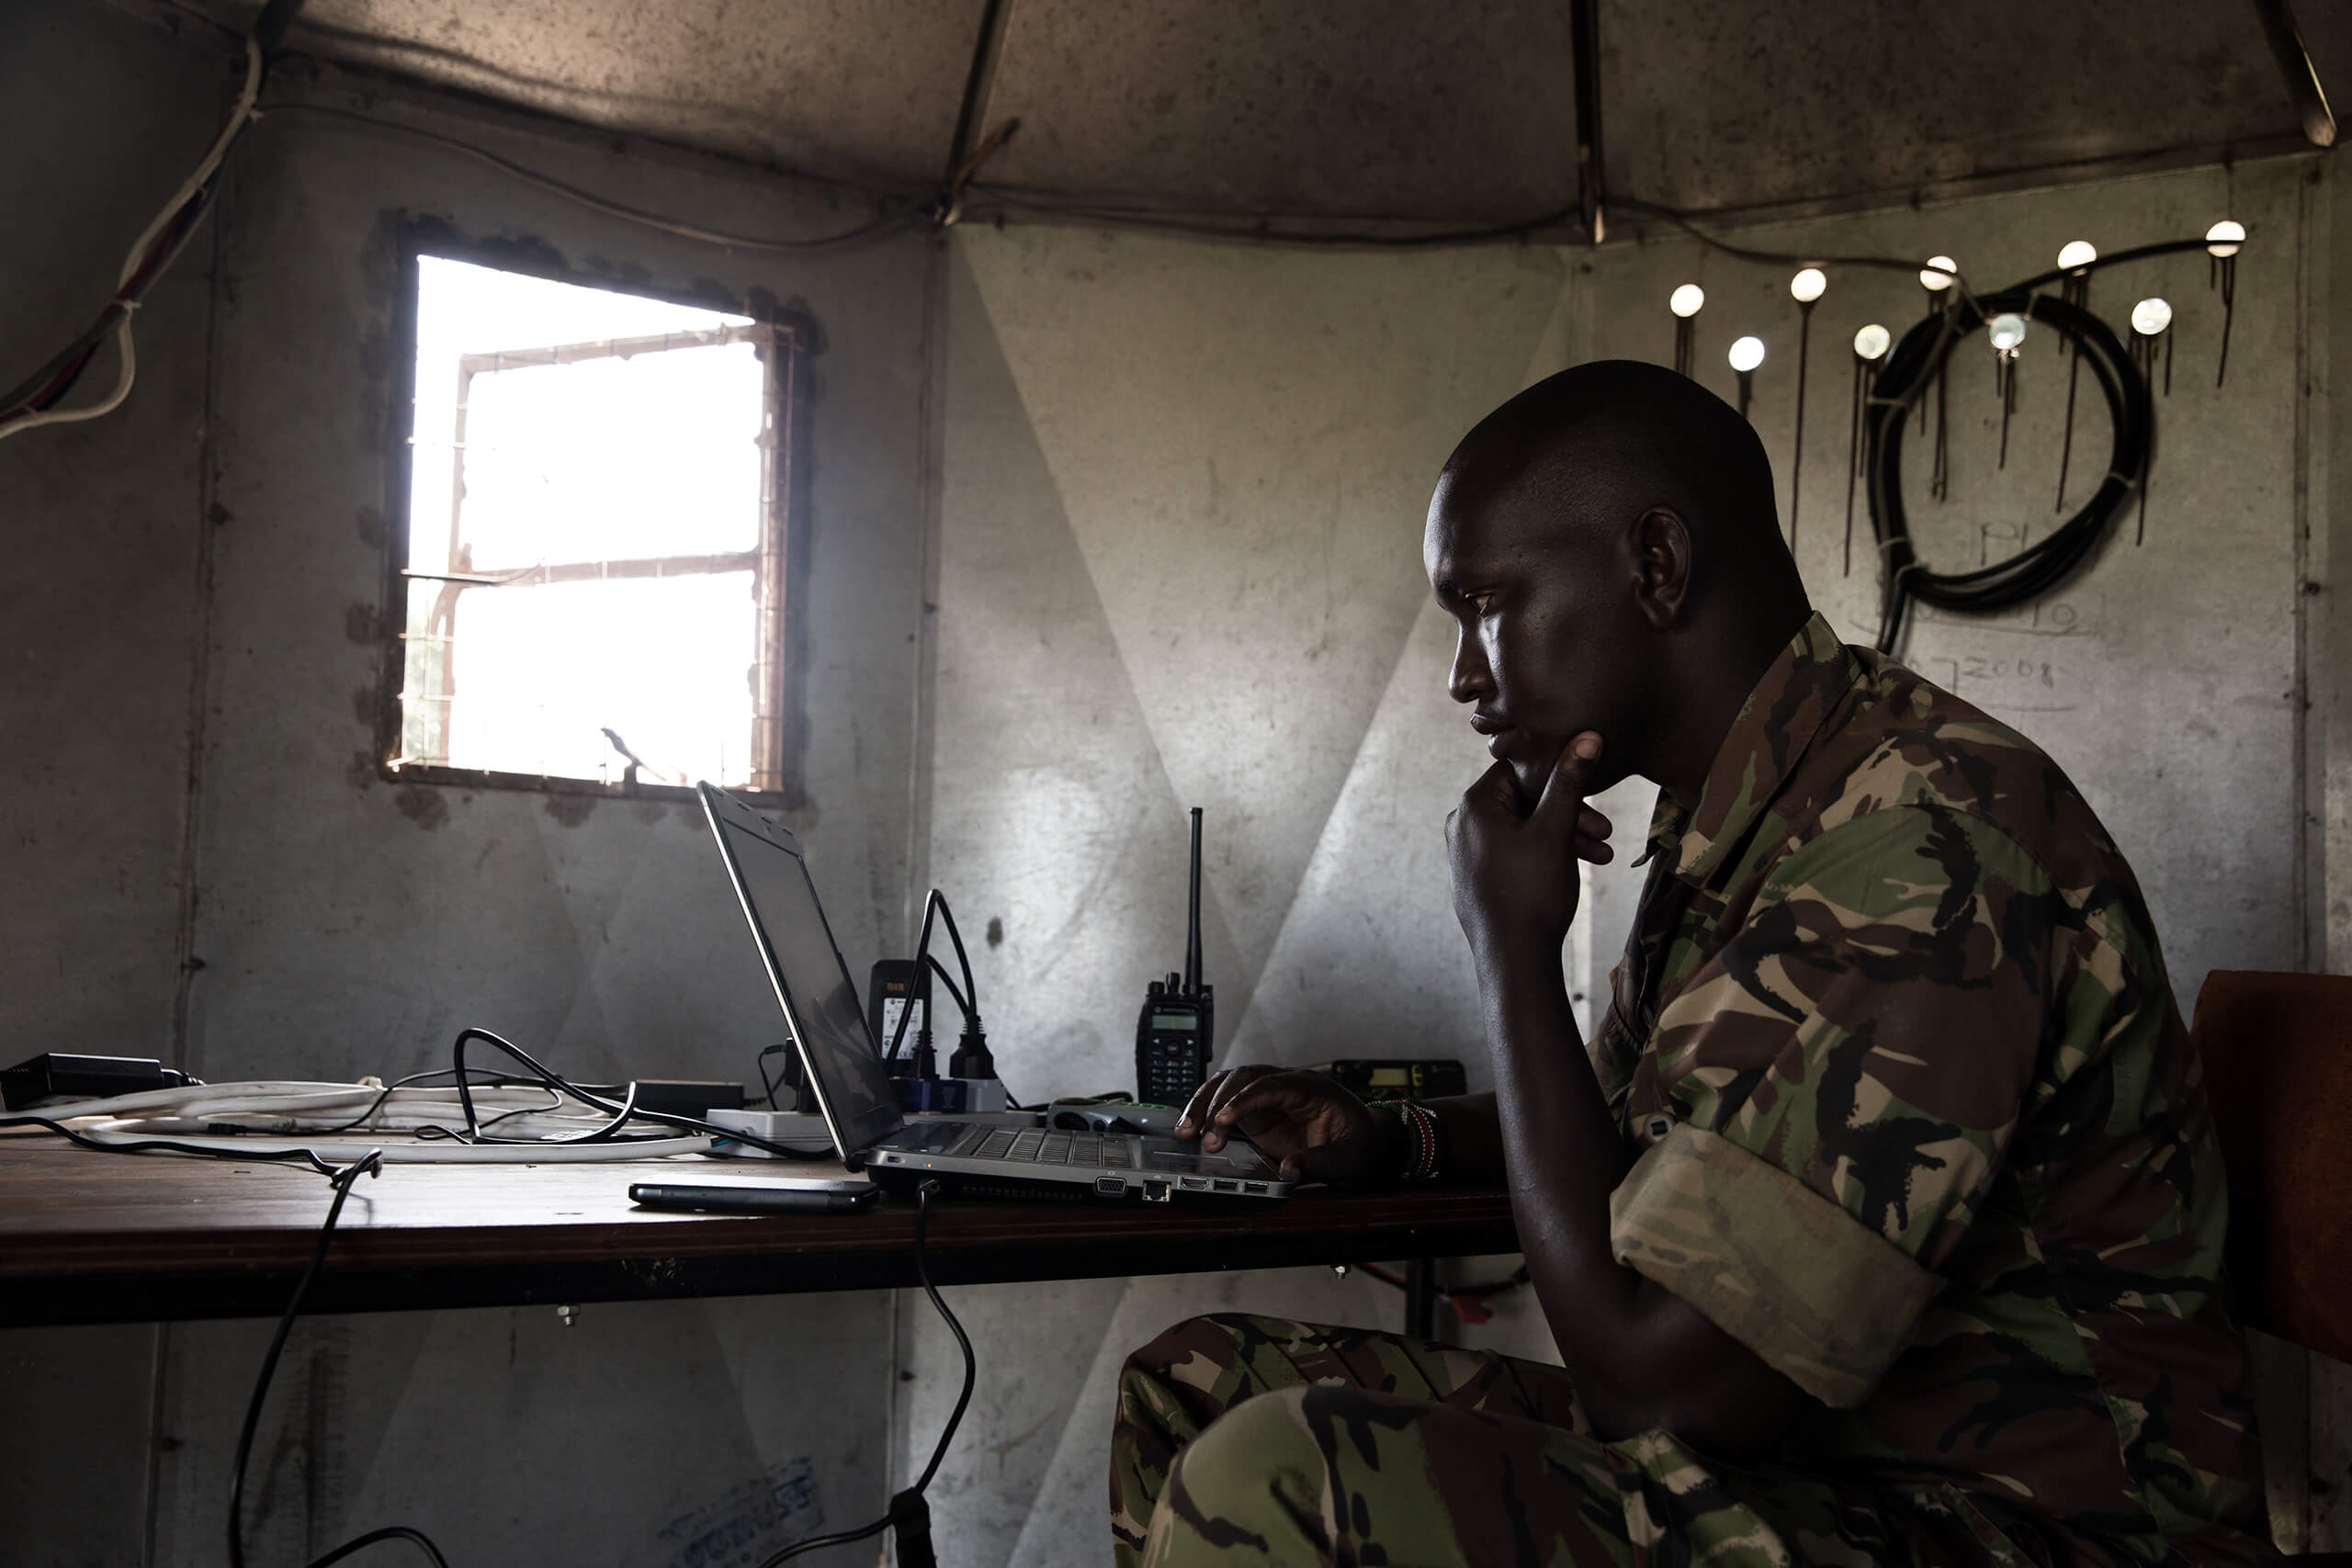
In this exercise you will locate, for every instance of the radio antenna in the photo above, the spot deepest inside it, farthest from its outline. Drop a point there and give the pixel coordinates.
(1192, 931)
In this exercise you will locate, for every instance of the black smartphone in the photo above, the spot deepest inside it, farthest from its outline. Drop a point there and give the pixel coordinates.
(812, 1197)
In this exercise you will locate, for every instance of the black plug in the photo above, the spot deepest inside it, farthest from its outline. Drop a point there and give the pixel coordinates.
(971, 1059)
(910, 1524)
(926, 1057)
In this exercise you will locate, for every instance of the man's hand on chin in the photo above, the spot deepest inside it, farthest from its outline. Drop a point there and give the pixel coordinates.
(1515, 883)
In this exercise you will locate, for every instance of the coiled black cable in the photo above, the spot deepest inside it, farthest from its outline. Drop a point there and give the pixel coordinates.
(2042, 566)
(1912, 367)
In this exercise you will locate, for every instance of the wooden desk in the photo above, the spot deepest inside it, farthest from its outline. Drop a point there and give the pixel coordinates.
(89, 1237)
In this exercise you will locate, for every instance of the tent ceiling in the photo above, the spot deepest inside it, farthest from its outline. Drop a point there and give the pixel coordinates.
(1459, 112)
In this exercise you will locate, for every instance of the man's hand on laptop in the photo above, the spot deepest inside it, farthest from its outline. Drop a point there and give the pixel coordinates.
(1313, 1128)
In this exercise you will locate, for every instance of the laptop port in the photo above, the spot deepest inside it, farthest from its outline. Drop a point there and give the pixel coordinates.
(1257, 1187)
(1195, 1183)
(1111, 1186)
(1155, 1191)
(1225, 1186)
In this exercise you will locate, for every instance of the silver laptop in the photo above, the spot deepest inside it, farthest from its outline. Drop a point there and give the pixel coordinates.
(842, 1064)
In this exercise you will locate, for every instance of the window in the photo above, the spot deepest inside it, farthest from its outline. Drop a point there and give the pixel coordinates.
(592, 560)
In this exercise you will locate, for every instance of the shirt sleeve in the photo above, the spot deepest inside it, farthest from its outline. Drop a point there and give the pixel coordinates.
(1851, 1065)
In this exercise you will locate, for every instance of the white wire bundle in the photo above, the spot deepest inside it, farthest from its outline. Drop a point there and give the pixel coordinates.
(128, 364)
(347, 1112)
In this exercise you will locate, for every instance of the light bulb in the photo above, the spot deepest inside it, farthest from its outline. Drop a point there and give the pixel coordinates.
(1685, 300)
(2150, 317)
(2225, 238)
(1872, 341)
(1807, 286)
(1938, 276)
(2007, 332)
(1747, 354)
(2076, 254)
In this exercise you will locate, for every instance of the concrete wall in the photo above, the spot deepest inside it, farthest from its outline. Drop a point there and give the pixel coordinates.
(1179, 565)
(196, 591)
(1182, 490)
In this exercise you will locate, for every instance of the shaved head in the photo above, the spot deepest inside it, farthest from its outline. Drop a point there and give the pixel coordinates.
(1590, 449)
(1609, 543)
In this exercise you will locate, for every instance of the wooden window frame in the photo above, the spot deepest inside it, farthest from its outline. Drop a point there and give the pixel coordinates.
(778, 562)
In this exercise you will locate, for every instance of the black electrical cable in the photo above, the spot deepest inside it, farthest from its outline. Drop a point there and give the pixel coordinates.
(604, 1135)
(887, 222)
(1256, 228)
(555, 1080)
(761, 1062)
(936, 905)
(2042, 566)
(963, 960)
(1683, 220)
(344, 1178)
(1912, 366)
(963, 1004)
(386, 1093)
(909, 1512)
(476, 1130)
(142, 1146)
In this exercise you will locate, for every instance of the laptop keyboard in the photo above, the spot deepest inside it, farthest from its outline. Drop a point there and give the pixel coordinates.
(1039, 1148)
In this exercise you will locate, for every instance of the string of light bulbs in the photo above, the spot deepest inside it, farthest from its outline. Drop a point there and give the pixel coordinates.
(2126, 377)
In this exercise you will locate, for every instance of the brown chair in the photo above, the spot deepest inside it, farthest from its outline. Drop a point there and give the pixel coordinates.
(2278, 1056)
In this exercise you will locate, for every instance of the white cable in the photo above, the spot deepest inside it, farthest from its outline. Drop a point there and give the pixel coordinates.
(344, 1150)
(128, 361)
(204, 170)
(283, 1106)
(127, 367)
(513, 1122)
(182, 1095)
(292, 1108)
(296, 1098)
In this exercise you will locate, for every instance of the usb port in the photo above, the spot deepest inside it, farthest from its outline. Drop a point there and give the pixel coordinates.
(1225, 1186)
(1257, 1187)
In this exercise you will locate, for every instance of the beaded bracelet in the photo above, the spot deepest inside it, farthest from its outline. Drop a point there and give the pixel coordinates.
(1421, 1164)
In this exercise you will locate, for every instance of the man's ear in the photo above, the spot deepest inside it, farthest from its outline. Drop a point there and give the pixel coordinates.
(1659, 545)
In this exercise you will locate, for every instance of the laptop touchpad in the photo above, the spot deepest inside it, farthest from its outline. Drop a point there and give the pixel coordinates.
(1236, 1159)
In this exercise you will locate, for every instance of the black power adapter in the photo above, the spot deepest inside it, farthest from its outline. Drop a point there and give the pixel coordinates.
(59, 1072)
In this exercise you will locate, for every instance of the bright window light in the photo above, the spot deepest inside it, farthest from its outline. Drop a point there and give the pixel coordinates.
(595, 548)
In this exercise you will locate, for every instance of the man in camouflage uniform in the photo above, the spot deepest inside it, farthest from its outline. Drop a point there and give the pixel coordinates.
(1881, 1223)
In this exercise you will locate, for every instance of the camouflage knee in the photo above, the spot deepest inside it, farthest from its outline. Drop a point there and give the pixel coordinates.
(1198, 1372)
(1250, 1489)
(1326, 1474)
(1169, 1392)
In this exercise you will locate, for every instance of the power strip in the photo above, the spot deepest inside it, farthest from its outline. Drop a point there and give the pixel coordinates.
(794, 1128)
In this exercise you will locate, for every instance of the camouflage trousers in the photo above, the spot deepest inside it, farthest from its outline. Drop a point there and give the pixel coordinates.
(1244, 1439)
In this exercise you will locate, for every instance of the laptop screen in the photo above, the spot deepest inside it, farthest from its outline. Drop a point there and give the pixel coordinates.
(820, 1002)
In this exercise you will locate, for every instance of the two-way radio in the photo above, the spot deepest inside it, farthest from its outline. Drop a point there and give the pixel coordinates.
(1178, 1028)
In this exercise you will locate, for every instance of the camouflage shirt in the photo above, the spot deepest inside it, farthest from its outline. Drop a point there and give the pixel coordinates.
(1915, 1118)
